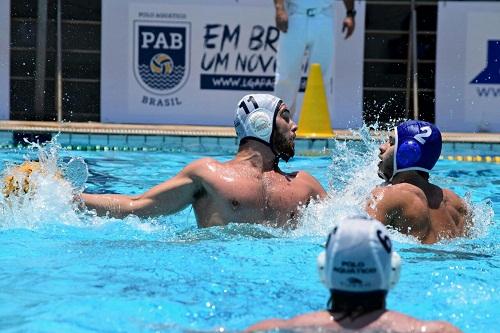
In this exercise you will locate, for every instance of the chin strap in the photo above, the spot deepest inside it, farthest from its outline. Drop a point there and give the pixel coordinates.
(284, 157)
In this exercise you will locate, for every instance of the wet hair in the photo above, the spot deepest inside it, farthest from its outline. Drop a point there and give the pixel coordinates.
(344, 304)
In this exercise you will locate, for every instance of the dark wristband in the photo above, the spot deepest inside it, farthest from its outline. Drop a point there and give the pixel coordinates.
(350, 13)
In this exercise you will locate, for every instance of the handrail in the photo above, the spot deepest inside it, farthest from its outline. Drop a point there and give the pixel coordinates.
(412, 68)
(414, 59)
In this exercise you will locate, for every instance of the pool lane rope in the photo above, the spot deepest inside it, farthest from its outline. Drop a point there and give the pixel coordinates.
(472, 158)
(323, 152)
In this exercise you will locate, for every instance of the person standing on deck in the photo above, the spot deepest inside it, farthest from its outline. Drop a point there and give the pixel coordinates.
(306, 26)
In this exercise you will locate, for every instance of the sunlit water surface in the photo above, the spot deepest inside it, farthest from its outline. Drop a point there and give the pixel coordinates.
(63, 270)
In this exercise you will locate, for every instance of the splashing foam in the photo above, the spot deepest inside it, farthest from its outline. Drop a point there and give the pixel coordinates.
(48, 198)
(482, 216)
(351, 177)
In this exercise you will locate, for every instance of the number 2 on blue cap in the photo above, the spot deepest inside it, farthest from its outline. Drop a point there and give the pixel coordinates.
(420, 137)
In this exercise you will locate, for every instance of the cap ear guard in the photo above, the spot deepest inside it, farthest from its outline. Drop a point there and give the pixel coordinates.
(393, 278)
(409, 152)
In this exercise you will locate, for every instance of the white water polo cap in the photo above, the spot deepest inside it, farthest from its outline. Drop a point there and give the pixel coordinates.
(256, 118)
(359, 257)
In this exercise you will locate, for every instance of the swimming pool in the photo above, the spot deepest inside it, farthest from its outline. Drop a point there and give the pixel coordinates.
(66, 271)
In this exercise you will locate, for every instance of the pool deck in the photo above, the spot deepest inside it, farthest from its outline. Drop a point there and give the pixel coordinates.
(187, 130)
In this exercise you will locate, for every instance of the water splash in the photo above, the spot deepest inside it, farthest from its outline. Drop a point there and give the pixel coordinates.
(45, 196)
(482, 216)
(351, 177)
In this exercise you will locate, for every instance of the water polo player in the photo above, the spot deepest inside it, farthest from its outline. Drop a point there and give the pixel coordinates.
(408, 201)
(359, 267)
(250, 188)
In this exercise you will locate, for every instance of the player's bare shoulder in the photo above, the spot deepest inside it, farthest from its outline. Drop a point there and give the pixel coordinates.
(393, 320)
(313, 319)
(402, 206)
(451, 198)
(409, 190)
(440, 327)
(202, 167)
(399, 195)
(307, 180)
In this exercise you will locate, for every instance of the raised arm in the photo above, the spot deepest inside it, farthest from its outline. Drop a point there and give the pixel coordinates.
(166, 198)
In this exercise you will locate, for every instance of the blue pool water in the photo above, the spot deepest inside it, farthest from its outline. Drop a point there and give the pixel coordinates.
(67, 271)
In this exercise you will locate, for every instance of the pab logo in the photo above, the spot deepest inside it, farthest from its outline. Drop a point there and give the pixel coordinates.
(161, 55)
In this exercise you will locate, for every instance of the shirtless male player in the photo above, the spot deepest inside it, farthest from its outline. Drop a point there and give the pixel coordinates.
(408, 201)
(250, 188)
(358, 267)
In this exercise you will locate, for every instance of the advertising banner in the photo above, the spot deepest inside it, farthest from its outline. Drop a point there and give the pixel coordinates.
(4, 59)
(190, 61)
(468, 67)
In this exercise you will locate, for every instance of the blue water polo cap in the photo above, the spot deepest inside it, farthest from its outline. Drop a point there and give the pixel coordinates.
(418, 146)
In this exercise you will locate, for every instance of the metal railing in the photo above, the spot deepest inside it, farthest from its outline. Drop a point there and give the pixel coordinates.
(50, 59)
(412, 65)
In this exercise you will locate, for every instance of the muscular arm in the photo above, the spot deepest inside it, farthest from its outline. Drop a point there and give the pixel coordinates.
(462, 210)
(400, 208)
(317, 191)
(380, 206)
(167, 198)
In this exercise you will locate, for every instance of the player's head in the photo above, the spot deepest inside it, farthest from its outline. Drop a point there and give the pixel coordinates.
(415, 145)
(265, 118)
(359, 265)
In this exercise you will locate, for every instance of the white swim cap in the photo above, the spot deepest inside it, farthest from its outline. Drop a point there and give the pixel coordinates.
(256, 117)
(359, 257)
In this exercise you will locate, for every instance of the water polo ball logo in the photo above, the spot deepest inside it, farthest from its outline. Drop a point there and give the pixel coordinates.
(161, 56)
(161, 64)
(261, 124)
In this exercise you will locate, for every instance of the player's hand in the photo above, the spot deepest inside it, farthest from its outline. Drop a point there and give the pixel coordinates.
(348, 26)
(281, 20)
